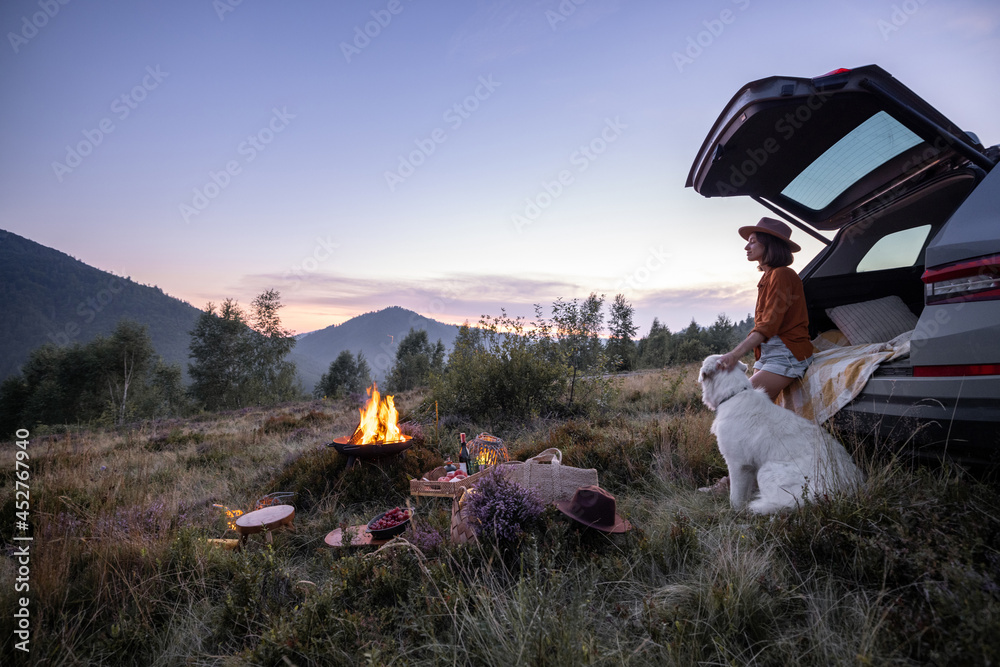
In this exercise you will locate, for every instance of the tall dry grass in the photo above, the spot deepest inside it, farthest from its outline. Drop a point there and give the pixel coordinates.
(122, 570)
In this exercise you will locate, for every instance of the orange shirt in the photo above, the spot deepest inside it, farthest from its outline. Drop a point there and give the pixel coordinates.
(781, 311)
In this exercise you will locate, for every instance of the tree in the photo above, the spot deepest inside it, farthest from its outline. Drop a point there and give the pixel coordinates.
(691, 345)
(347, 375)
(108, 380)
(220, 350)
(621, 348)
(655, 350)
(273, 377)
(416, 359)
(239, 360)
(577, 328)
(126, 359)
(721, 336)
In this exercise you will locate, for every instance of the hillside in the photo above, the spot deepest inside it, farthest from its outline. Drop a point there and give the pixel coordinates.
(376, 335)
(47, 296)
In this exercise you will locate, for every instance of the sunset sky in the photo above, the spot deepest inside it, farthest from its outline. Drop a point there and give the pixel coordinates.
(450, 157)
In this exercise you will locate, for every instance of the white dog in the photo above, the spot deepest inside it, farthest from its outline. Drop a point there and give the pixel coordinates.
(771, 452)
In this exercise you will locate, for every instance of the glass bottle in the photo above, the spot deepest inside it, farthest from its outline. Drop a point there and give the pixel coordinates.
(464, 463)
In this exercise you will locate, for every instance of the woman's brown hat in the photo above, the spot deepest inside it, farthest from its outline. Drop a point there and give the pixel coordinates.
(594, 507)
(774, 228)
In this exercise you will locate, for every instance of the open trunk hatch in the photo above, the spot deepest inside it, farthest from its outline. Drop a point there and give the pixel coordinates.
(819, 148)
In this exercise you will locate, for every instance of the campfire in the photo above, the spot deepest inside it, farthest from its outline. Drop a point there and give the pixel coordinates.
(379, 424)
(377, 434)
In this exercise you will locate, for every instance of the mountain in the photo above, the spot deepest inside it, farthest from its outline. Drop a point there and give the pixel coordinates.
(376, 334)
(46, 296)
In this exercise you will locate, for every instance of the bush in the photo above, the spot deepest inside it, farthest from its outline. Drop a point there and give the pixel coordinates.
(501, 372)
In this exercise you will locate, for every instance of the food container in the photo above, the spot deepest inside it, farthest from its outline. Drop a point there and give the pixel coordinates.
(391, 531)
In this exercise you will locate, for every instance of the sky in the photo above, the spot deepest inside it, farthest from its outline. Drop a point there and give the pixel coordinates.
(453, 157)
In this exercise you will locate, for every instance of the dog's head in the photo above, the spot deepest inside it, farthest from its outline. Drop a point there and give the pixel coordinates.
(716, 384)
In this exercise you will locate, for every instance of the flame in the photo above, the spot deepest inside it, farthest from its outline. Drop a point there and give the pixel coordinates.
(232, 514)
(379, 420)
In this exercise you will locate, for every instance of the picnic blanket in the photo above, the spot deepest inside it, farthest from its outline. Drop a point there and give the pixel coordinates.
(838, 373)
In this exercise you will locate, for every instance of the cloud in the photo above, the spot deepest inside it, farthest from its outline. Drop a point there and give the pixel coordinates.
(458, 297)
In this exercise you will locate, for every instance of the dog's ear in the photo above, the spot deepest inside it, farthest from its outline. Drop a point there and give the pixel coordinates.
(743, 367)
(708, 369)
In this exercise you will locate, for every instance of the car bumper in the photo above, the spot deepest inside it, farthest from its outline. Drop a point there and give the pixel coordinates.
(954, 417)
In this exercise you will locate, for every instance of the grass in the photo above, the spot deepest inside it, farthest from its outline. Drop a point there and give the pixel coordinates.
(121, 570)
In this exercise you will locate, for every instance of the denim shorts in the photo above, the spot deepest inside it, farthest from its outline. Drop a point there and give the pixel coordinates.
(775, 357)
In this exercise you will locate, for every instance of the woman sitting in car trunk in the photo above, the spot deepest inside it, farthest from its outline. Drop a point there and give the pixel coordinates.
(780, 335)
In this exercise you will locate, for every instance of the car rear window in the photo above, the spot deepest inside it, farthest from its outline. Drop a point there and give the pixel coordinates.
(895, 250)
(872, 143)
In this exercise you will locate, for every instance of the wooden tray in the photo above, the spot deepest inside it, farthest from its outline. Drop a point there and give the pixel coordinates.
(422, 487)
(361, 538)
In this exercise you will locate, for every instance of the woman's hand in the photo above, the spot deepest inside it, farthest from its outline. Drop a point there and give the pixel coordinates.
(727, 361)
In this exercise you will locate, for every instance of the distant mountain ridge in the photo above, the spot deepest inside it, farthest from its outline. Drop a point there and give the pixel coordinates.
(47, 296)
(375, 334)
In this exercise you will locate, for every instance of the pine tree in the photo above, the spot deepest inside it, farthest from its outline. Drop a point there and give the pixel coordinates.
(348, 374)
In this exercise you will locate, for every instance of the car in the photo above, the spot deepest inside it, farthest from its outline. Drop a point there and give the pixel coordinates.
(907, 206)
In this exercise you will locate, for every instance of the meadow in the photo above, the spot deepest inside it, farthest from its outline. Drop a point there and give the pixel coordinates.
(122, 570)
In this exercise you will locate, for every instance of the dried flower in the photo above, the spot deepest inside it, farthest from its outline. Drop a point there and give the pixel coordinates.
(501, 509)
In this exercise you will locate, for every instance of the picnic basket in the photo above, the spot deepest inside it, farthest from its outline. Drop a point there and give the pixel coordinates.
(429, 486)
(545, 473)
(461, 527)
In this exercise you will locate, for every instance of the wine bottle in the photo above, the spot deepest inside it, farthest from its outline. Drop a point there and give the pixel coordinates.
(463, 455)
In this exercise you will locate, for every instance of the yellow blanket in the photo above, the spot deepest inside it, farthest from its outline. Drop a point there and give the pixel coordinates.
(837, 374)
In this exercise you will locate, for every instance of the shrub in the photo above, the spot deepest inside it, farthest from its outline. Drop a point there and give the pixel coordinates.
(501, 372)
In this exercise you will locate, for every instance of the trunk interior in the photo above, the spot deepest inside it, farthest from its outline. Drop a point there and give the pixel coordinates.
(832, 278)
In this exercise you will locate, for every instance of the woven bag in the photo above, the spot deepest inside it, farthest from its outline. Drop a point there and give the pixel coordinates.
(546, 474)
(461, 529)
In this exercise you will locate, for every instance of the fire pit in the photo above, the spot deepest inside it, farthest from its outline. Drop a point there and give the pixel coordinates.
(377, 435)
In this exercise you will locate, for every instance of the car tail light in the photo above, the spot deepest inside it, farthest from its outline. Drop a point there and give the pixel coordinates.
(834, 80)
(974, 280)
(956, 371)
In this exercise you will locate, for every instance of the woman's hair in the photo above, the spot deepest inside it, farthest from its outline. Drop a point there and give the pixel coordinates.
(776, 252)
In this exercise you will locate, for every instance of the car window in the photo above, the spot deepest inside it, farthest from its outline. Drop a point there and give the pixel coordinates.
(870, 144)
(896, 250)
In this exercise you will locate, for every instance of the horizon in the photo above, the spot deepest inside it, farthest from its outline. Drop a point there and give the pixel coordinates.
(451, 159)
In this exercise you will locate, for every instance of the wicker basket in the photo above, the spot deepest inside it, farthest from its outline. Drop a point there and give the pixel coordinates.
(431, 487)
(545, 474)
(461, 528)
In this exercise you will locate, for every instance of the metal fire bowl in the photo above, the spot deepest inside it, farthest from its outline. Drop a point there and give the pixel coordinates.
(374, 451)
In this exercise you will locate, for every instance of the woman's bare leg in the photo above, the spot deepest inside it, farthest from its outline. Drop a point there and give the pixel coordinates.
(772, 383)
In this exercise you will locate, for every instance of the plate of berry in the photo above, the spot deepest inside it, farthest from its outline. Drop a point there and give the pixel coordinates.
(389, 524)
